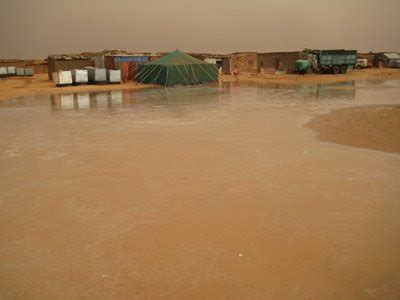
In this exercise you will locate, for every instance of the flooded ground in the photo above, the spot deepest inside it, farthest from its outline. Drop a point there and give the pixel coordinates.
(196, 192)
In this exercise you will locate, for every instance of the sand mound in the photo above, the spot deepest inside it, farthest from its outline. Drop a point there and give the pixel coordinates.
(371, 127)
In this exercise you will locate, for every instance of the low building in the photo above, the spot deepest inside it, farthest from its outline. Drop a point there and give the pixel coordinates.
(57, 63)
(245, 62)
(39, 66)
(278, 61)
(226, 65)
(387, 60)
(127, 63)
(221, 61)
(368, 56)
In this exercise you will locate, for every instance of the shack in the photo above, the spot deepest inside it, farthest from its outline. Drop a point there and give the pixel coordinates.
(219, 60)
(368, 56)
(127, 63)
(226, 65)
(39, 66)
(387, 60)
(57, 63)
(245, 61)
(282, 61)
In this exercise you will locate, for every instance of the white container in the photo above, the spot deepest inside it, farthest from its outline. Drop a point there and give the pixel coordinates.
(114, 76)
(29, 71)
(62, 78)
(79, 76)
(3, 71)
(11, 70)
(97, 75)
(20, 72)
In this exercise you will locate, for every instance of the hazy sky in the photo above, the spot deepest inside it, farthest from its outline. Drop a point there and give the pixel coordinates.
(36, 28)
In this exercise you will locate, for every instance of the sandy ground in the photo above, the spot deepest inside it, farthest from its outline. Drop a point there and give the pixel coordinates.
(40, 84)
(371, 127)
(319, 78)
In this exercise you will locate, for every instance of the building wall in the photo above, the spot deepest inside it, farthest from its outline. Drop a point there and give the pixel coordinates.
(154, 57)
(226, 65)
(38, 67)
(55, 65)
(98, 61)
(382, 61)
(244, 61)
(279, 60)
(368, 56)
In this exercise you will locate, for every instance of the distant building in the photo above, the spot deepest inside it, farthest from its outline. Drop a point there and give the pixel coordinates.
(368, 56)
(127, 63)
(278, 61)
(387, 60)
(39, 66)
(57, 63)
(221, 61)
(244, 61)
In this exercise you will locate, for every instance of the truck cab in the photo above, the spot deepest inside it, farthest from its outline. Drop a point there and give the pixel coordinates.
(361, 63)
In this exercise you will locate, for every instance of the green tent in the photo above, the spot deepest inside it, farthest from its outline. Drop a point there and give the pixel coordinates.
(177, 68)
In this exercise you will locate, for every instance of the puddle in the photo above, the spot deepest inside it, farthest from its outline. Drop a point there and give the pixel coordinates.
(214, 191)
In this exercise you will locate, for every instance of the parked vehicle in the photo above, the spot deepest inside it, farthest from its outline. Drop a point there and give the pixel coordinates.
(362, 63)
(302, 66)
(333, 61)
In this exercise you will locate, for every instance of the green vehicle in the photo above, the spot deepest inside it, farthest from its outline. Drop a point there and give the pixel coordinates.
(333, 61)
(302, 66)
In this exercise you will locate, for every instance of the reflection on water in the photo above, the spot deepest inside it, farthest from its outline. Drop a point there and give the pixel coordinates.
(274, 94)
(87, 101)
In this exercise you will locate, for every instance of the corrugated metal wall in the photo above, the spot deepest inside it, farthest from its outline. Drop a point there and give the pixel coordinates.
(127, 64)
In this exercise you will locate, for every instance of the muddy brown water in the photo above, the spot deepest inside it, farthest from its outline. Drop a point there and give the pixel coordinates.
(195, 192)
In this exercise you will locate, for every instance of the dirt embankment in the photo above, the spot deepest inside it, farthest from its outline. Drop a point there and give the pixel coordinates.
(13, 87)
(371, 127)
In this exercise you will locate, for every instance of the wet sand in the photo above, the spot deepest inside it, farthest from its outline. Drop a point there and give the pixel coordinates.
(195, 193)
(371, 127)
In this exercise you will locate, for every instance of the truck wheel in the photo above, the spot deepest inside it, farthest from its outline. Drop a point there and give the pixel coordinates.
(343, 69)
(335, 70)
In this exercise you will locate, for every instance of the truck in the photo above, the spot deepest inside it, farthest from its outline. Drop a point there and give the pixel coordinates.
(331, 61)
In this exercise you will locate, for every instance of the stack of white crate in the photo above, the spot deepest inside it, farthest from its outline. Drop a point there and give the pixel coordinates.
(62, 78)
(80, 76)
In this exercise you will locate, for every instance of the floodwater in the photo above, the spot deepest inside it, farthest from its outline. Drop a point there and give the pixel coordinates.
(196, 192)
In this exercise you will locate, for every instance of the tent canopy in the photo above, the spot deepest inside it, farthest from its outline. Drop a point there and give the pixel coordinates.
(177, 68)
